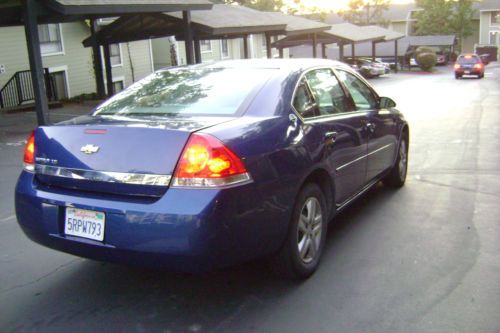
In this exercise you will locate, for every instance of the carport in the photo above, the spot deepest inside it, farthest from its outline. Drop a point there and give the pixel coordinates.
(389, 36)
(297, 28)
(342, 34)
(221, 22)
(30, 13)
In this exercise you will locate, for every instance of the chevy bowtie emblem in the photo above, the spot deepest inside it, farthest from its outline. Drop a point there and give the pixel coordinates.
(89, 149)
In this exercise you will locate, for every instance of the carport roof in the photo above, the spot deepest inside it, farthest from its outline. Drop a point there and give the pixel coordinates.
(296, 25)
(222, 21)
(438, 40)
(53, 11)
(354, 34)
(390, 35)
(342, 32)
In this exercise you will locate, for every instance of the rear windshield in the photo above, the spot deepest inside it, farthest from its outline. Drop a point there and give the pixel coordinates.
(187, 91)
(468, 60)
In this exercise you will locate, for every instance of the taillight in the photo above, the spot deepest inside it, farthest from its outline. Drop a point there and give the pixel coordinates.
(478, 66)
(29, 153)
(206, 162)
(456, 66)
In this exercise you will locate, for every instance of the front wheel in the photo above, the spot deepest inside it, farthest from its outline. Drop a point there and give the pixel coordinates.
(300, 254)
(397, 175)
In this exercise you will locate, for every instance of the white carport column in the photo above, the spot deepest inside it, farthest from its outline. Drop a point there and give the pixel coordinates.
(30, 16)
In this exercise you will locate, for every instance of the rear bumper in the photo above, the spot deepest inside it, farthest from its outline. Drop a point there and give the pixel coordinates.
(185, 230)
(472, 71)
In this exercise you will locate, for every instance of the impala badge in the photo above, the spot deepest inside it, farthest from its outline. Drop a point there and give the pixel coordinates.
(89, 149)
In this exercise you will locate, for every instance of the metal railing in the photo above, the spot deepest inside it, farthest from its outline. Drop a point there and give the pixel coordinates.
(19, 89)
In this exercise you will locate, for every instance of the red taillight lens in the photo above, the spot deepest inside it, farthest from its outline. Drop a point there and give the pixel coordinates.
(29, 153)
(206, 162)
(456, 66)
(478, 66)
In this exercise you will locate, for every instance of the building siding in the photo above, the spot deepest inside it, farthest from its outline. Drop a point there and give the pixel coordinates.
(75, 60)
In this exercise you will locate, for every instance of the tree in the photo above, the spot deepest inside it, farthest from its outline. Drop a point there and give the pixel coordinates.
(365, 12)
(434, 17)
(461, 19)
(441, 17)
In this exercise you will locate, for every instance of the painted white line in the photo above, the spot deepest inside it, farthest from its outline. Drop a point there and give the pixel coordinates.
(8, 218)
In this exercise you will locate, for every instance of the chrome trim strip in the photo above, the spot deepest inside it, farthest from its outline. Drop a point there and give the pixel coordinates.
(362, 157)
(208, 183)
(104, 176)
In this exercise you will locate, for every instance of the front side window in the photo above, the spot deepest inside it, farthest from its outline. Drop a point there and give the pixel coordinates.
(362, 95)
(50, 39)
(327, 91)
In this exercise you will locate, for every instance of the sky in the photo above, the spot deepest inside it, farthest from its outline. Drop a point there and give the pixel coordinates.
(337, 4)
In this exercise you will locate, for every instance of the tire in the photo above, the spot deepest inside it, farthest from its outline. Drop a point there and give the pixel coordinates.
(481, 76)
(457, 76)
(397, 175)
(307, 231)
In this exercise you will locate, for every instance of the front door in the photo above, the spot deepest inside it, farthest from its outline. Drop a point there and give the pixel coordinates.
(335, 131)
(380, 126)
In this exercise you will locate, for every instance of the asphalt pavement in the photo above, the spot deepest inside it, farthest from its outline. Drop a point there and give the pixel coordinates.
(424, 258)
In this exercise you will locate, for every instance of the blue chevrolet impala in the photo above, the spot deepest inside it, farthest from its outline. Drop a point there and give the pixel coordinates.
(199, 167)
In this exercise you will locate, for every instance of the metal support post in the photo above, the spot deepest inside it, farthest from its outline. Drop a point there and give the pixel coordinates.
(96, 57)
(186, 16)
(30, 11)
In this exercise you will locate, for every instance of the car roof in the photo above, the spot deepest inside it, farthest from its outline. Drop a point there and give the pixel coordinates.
(290, 65)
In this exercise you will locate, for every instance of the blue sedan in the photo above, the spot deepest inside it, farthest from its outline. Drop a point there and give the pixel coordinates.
(205, 166)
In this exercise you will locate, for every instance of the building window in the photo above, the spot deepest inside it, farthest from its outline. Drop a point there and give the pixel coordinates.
(118, 86)
(495, 17)
(205, 46)
(224, 48)
(50, 39)
(115, 55)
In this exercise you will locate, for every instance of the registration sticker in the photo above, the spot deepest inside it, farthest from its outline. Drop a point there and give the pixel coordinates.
(84, 223)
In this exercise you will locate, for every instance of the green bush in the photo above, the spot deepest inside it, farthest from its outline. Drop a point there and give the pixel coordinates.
(424, 49)
(426, 60)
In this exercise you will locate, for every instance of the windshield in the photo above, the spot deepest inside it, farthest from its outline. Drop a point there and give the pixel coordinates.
(187, 91)
(468, 60)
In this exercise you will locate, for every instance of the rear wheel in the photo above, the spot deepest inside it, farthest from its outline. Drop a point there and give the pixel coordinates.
(397, 175)
(457, 76)
(300, 255)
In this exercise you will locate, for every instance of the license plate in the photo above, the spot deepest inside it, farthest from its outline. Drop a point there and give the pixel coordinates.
(466, 72)
(84, 223)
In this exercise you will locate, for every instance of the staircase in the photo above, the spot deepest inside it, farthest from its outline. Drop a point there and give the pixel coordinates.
(19, 90)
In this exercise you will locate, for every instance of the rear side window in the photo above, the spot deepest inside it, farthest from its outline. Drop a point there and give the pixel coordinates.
(206, 91)
(361, 94)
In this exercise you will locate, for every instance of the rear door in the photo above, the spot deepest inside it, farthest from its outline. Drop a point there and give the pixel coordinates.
(334, 129)
(380, 125)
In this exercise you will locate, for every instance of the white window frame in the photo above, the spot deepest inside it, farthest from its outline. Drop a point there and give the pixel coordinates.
(112, 66)
(63, 51)
(494, 24)
(209, 43)
(222, 56)
(120, 54)
(120, 78)
(66, 77)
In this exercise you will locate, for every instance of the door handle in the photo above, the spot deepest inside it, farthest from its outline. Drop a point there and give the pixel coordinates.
(370, 127)
(330, 137)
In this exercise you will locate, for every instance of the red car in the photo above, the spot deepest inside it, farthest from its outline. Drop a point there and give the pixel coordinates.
(469, 64)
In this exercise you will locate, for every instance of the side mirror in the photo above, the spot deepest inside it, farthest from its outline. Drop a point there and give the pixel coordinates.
(386, 103)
